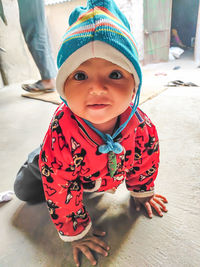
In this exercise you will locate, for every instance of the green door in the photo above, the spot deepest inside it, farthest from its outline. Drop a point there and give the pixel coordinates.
(157, 27)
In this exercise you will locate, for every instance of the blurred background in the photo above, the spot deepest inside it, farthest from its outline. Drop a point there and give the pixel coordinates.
(157, 25)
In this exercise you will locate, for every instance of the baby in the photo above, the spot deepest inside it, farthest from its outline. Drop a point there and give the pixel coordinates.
(98, 136)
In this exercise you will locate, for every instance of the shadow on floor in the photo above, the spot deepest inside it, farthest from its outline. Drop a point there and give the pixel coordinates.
(35, 223)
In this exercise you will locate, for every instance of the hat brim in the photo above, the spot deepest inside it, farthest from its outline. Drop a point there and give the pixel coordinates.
(95, 49)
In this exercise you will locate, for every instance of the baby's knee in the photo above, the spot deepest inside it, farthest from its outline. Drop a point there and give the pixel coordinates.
(19, 192)
(28, 187)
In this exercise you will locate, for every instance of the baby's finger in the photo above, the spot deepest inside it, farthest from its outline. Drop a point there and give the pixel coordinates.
(85, 250)
(163, 198)
(148, 209)
(157, 209)
(97, 248)
(99, 233)
(99, 242)
(75, 256)
(164, 208)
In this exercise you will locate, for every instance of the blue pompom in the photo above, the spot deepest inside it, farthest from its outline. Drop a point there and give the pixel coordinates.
(110, 146)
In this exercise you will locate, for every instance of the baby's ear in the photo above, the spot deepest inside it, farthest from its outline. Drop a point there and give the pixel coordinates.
(133, 94)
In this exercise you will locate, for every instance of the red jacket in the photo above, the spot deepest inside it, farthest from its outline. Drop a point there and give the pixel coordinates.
(70, 164)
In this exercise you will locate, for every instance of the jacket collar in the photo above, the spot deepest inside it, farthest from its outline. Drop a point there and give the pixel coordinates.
(96, 140)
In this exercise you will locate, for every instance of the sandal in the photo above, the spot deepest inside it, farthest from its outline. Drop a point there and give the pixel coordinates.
(37, 87)
(181, 83)
(176, 83)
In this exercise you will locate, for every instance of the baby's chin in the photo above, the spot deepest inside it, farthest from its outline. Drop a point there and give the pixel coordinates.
(97, 117)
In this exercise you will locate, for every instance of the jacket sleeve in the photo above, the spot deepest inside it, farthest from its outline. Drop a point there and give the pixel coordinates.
(141, 176)
(63, 189)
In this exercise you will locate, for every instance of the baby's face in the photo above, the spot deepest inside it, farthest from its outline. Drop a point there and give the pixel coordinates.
(99, 91)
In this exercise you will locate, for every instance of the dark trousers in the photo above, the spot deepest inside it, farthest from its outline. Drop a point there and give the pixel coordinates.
(28, 184)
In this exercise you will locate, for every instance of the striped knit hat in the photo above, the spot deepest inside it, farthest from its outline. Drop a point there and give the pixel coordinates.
(99, 30)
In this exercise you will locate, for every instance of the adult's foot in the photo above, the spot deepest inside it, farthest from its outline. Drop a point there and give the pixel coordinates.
(41, 86)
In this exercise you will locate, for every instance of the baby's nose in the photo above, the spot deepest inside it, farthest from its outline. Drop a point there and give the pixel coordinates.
(98, 88)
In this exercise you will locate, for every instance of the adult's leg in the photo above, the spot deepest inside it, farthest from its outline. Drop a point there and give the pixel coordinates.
(34, 28)
(28, 184)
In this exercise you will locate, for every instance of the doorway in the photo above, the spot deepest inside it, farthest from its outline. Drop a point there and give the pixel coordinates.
(183, 26)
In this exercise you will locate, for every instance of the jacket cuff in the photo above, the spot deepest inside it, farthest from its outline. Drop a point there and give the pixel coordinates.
(66, 238)
(142, 194)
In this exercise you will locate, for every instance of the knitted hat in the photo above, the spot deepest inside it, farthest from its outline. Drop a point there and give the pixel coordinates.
(99, 30)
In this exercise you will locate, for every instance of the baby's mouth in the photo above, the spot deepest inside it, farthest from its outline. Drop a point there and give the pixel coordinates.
(97, 106)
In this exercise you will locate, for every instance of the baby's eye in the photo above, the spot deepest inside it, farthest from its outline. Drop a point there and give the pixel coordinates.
(80, 76)
(115, 75)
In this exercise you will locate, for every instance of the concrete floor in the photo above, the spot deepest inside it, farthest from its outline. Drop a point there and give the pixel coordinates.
(28, 237)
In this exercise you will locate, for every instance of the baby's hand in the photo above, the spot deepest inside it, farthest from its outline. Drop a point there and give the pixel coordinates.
(88, 243)
(155, 201)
